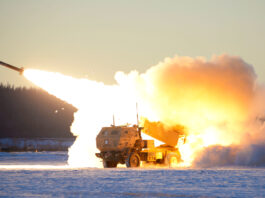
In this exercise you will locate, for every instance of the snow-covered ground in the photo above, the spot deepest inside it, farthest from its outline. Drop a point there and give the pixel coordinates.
(46, 174)
(35, 144)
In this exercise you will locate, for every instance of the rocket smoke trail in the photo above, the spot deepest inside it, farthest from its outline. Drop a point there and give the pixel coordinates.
(218, 101)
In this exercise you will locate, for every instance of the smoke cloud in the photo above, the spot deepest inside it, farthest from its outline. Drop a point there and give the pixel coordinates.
(218, 102)
(243, 155)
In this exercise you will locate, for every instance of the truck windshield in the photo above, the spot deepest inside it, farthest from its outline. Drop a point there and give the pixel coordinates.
(114, 132)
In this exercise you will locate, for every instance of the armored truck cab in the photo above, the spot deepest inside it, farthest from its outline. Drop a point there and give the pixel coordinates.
(119, 144)
(117, 138)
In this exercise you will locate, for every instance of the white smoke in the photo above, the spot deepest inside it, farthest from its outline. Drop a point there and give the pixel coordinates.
(218, 101)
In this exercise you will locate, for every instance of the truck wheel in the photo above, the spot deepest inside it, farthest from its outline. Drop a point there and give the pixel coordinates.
(133, 160)
(172, 160)
(109, 164)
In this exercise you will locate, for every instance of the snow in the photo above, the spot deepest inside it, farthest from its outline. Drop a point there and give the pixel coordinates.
(33, 158)
(47, 175)
(25, 144)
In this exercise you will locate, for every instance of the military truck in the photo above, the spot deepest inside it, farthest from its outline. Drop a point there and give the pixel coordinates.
(124, 145)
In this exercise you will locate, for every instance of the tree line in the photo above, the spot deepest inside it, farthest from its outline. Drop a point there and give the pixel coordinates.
(33, 113)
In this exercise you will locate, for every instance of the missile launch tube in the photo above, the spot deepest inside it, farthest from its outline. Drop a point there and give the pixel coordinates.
(157, 130)
(20, 70)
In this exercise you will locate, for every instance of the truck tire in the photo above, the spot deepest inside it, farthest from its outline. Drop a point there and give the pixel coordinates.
(133, 160)
(172, 160)
(109, 164)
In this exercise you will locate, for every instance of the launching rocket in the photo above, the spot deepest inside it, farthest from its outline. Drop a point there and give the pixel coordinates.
(20, 70)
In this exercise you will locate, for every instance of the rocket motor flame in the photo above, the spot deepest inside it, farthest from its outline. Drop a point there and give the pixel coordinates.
(96, 104)
(214, 100)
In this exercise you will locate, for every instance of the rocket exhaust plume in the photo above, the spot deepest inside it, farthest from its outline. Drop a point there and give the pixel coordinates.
(96, 104)
(217, 102)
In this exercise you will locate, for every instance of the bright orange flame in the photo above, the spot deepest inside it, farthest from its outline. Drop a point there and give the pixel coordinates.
(96, 103)
(211, 99)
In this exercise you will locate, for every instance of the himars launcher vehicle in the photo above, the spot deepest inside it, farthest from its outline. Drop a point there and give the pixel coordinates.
(124, 145)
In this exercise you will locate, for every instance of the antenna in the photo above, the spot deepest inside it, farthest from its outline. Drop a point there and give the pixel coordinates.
(137, 117)
(113, 120)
